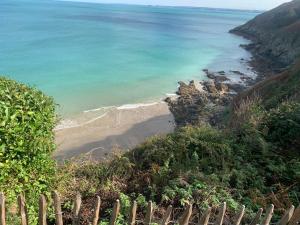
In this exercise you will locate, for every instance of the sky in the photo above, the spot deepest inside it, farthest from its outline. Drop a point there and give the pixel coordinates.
(232, 4)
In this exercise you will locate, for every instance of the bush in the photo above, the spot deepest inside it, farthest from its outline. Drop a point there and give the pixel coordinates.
(282, 125)
(27, 119)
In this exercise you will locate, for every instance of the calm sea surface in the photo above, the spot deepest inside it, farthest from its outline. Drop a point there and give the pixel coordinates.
(90, 55)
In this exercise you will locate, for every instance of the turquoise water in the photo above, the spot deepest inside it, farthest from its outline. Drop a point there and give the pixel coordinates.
(90, 55)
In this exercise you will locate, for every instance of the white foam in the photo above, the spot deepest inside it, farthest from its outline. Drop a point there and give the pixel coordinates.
(67, 123)
(135, 106)
(99, 109)
(72, 123)
(94, 119)
(171, 95)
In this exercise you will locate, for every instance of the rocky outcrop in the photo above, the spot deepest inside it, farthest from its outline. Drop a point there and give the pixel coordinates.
(204, 104)
(275, 34)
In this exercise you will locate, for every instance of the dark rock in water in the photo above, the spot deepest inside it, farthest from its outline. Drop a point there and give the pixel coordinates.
(237, 72)
(275, 34)
(220, 79)
(217, 77)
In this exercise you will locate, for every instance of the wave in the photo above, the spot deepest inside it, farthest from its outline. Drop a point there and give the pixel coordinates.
(99, 109)
(66, 124)
(171, 95)
(72, 123)
(134, 106)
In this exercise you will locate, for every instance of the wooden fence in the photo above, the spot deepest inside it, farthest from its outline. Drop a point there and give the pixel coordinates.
(290, 217)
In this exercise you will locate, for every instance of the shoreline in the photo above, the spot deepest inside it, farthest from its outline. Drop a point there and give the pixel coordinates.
(119, 128)
(97, 133)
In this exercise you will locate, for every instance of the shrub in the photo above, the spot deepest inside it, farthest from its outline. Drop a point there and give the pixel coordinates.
(282, 125)
(27, 119)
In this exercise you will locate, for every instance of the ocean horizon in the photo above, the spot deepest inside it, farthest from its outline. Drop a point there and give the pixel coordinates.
(91, 55)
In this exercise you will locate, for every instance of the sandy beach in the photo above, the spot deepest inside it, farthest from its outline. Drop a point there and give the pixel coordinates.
(97, 133)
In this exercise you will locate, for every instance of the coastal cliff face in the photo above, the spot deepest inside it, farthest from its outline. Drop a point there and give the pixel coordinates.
(275, 34)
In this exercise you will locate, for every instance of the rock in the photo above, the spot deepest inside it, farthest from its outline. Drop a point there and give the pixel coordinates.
(275, 34)
(193, 106)
(210, 87)
(245, 78)
(236, 87)
(187, 90)
(219, 79)
(237, 72)
(222, 87)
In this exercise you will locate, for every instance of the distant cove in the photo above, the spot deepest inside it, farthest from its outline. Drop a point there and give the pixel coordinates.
(92, 55)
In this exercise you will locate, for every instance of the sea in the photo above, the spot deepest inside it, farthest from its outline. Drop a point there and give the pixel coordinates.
(90, 55)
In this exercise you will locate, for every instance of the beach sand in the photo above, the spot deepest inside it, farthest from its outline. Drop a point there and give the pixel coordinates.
(97, 133)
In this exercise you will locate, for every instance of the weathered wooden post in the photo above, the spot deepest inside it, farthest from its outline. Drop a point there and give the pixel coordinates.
(96, 211)
(57, 208)
(220, 216)
(286, 216)
(42, 210)
(149, 213)
(76, 210)
(204, 219)
(269, 213)
(296, 217)
(239, 216)
(167, 215)
(132, 215)
(256, 219)
(22, 210)
(2, 209)
(184, 220)
(115, 213)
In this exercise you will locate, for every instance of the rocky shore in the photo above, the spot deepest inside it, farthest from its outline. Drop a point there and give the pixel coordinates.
(205, 101)
(274, 35)
(275, 46)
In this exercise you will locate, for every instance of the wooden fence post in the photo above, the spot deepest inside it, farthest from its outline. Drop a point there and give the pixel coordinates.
(268, 216)
(149, 213)
(115, 213)
(42, 210)
(2, 209)
(256, 219)
(238, 218)
(167, 215)
(286, 216)
(96, 211)
(22, 210)
(57, 208)
(204, 219)
(132, 215)
(220, 217)
(76, 210)
(296, 217)
(184, 220)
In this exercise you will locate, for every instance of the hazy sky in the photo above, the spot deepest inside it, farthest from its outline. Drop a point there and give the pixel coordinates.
(236, 4)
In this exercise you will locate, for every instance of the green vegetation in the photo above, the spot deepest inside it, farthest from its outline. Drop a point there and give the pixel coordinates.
(243, 164)
(27, 119)
(254, 160)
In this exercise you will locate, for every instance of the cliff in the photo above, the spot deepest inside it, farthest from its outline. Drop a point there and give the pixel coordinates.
(275, 34)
